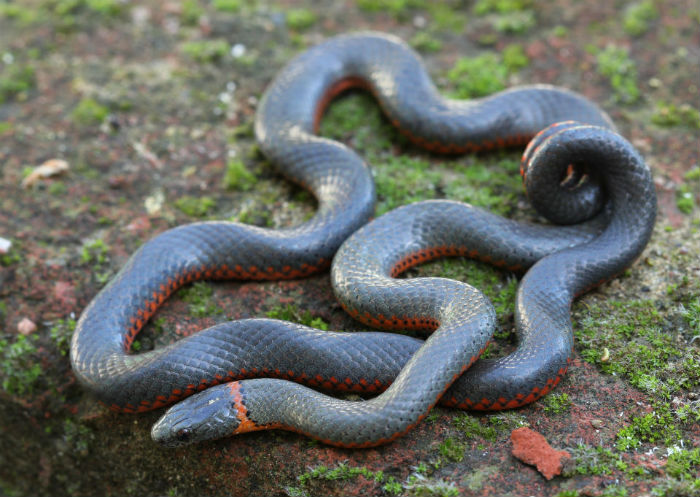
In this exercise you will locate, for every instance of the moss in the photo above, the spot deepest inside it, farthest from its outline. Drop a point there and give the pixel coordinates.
(402, 180)
(5, 127)
(294, 314)
(676, 488)
(399, 8)
(357, 116)
(499, 287)
(255, 217)
(198, 296)
(614, 491)
(94, 252)
(110, 8)
(501, 6)
(436, 488)
(684, 464)
(89, 112)
(64, 8)
(568, 493)
(77, 437)
(425, 42)
(19, 369)
(452, 450)
(514, 57)
(12, 256)
(507, 16)
(556, 403)
(691, 314)
(615, 64)
(57, 188)
(23, 15)
(61, 333)
(417, 482)
(478, 477)
(191, 12)
(685, 200)
(392, 488)
(68, 15)
(475, 427)
(300, 19)
(596, 461)
(478, 76)
(447, 17)
(206, 50)
(560, 31)
(670, 115)
(237, 177)
(195, 206)
(15, 82)
(637, 17)
(487, 73)
(343, 472)
(643, 349)
(227, 5)
(656, 426)
(515, 23)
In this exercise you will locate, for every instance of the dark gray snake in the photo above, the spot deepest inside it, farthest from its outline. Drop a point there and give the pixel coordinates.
(608, 177)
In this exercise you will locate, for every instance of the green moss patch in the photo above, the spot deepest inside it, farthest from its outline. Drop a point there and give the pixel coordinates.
(237, 176)
(195, 206)
(300, 19)
(617, 66)
(670, 115)
(199, 298)
(227, 5)
(19, 367)
(89, 112)
(556, 403)
(206, 50)
(294, 314)
(15, 81)
(478, 76)
(643, 347)
(638, 17)
(486, 73)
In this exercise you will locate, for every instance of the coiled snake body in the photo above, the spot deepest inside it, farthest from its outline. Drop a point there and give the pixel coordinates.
(412, 375)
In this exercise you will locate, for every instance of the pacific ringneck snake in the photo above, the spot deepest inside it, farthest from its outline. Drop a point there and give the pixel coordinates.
(252, 360)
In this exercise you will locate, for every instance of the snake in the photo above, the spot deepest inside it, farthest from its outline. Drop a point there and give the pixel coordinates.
(255, 374)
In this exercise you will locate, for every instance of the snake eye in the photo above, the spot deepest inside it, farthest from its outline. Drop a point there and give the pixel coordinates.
(183, 435)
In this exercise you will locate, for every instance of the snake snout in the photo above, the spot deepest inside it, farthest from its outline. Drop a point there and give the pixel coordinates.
(204, 416)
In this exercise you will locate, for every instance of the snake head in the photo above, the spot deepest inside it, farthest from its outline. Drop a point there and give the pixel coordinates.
(207, 415)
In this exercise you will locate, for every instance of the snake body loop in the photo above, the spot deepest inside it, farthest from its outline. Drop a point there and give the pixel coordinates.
(411, 374)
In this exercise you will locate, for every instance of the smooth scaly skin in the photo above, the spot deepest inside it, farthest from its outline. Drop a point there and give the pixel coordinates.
(286, 119)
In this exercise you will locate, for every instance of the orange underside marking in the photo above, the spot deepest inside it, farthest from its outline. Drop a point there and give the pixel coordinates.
(519, 400)
(432, 253)
(223, 272)
(245, 425)
(351, 82)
